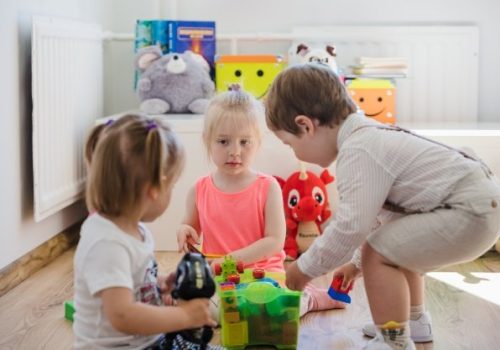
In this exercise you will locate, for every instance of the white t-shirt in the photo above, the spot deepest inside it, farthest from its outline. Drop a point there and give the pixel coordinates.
(108, 257)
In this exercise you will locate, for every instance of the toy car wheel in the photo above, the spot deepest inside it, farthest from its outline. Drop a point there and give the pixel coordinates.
(258, 273)
(240, 267)
(217, 269)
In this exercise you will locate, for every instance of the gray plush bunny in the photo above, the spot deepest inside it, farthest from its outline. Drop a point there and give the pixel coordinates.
(173, 83)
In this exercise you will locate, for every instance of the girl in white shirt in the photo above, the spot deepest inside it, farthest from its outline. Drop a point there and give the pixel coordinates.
(118, 293)
(446, 202)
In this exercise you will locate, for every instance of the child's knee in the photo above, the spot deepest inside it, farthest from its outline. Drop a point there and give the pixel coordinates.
(370, 257)
(368, 254)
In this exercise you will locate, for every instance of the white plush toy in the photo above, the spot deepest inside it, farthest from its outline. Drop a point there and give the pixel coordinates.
(303, 53)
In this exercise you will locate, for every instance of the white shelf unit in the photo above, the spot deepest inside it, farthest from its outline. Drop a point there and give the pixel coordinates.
(483, 138)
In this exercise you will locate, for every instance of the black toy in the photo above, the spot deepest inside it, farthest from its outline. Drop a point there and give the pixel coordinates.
(194, 280)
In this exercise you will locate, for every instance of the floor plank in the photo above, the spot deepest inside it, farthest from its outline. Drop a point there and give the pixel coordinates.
(465, 317)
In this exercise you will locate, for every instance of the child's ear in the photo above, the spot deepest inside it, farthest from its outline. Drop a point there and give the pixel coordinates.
(153, 192)
(305, 123)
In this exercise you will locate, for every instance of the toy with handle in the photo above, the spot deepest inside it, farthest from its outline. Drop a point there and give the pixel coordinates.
(336, 292)
(192, 248)
(194, 280)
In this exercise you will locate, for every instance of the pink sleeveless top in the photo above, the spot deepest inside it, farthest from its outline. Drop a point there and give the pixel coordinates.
(231, 221)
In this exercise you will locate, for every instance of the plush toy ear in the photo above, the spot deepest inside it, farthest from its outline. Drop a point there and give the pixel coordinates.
(199, 59)
(332, 50)
(302, 50)
(146, 56)
(326, 177)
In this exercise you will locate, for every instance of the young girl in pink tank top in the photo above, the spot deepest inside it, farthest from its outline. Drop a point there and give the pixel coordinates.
(236, 210)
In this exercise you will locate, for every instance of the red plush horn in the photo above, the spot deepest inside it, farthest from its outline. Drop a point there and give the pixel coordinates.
(303, 172)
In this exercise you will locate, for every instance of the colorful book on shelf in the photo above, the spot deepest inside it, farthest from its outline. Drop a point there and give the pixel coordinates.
(149, 32)
(197, 36)
(381, 66)
(381, 71)
(382, 61)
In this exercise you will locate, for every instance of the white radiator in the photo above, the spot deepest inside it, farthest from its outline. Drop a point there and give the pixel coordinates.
(67, 83)
(442, 83)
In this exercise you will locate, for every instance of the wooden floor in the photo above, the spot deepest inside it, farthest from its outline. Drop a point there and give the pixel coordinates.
(464, 302)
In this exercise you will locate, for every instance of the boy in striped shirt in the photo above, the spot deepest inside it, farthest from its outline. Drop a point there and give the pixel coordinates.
(442, 203)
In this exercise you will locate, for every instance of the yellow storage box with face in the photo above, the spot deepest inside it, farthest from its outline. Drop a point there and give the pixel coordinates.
(253, 73)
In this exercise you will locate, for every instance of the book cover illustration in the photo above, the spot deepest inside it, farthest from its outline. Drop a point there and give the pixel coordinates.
(197, 36)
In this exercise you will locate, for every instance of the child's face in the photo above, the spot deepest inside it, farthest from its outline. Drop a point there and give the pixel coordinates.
(233, 149)
(316, 144)
(297, 143)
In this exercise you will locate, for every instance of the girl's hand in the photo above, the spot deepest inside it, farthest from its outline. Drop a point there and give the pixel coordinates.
(198, 312)
(296, 279)
(186, 234)
(349, 272)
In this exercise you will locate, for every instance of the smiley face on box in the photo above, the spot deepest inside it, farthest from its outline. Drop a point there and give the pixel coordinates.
(376, 98)
(253, 73)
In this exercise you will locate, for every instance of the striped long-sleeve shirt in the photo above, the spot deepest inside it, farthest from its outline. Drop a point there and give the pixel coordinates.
(375, 165)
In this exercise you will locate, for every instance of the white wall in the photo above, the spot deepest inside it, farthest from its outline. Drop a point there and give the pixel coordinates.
(19, 233)
(282, 15)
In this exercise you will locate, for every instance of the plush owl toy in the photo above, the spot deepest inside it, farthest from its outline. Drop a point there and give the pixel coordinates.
(305, 199)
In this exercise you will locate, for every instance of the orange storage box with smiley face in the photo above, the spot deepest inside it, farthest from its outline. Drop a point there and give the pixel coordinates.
(375, 97)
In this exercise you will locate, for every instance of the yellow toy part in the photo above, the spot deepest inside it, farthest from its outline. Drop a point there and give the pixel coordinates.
(253, 73)
(376, 97)
(236, 334)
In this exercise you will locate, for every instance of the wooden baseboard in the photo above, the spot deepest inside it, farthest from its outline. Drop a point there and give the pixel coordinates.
(27, 265)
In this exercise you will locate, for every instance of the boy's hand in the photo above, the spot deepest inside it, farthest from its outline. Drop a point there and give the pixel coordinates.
(186, 233)
(349, 272)
(198, 312)
(296, 279)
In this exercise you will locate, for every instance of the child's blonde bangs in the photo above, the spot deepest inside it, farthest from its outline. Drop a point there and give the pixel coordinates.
(237, 111)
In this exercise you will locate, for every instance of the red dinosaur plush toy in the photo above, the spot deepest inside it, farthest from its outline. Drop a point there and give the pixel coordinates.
(306, 207)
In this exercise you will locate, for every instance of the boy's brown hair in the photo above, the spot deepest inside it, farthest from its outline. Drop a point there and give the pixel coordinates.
(308, 89)
(135, 151)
